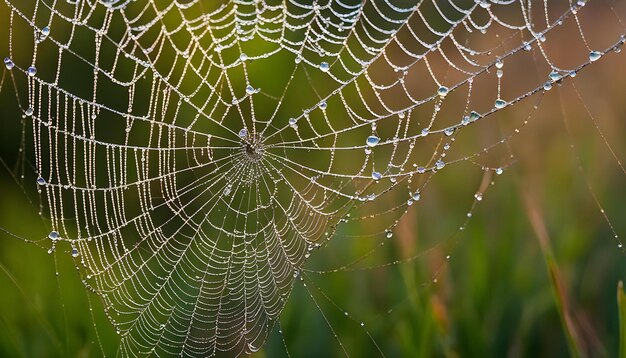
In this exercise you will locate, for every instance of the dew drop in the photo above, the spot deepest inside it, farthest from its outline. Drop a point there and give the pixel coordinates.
(555, 76)
(443, 91)
(324, 66)
(440, 164)
(250, 89)
(32, 71)
(500, 103)
(499, 64)
(416, 196)
(376, 175)
(499, 171)
(389, 235)
(292, 121)
(75, 252)
(243, 133)
(547, 86)
(29, 111)
(41, 181)
(594, 55)
(421, 170)
(54, 235)
(372, 141)
(449, 131)
(243, 57)
(474, 116)
(8, 63)
(323, 105)
(478, 196)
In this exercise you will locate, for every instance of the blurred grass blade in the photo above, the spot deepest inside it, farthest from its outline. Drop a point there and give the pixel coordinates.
(621, 306)
(574, 341)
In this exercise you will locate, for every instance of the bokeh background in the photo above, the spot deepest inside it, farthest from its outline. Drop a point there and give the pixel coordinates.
(534, 272)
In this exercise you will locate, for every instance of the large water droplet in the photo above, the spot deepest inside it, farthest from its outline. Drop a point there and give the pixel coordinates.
(243, 133)
(243, 57)
(500, 103)
(372, 140)
(376, 175)
(54, 235)
(324, 66)
(29, 111)
(499, 171)
(594, 55)
(250, 89)
(75, 252)
(32, 71)
(8, 63)
(416, 196)
(555, 76)
(323, 105)
(449, 131)
(41, 181)
(443, 91)
(440, 164)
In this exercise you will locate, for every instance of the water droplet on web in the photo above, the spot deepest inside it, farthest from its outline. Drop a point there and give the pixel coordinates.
(474, 116)
(443, 91)
(29, 111)
(555, 76)
(389, 235)
(499, 171)
(527, 47)
(243, 57)
(421, 170)
(449, 131)
(43, 34)
(499, 73)
(440, 164)
(32, 71)
(416, 196)
(8, 63)
(41, 181)
(227, 190)
(243, 133)
(292, 121)
(478, 196)
(500, 103)
(547, 86)
(250, 89)
(75, 252)
(425, 132)
(324, 66)
(594, 55)
(322, 105)
(465, 121)
(372, 140)
(54, 235)
(376, 175)
(499, 63)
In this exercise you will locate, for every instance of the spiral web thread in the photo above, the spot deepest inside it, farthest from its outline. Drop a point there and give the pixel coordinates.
(194, 153)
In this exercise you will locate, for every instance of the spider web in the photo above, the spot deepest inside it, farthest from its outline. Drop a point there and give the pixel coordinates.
(195, 153)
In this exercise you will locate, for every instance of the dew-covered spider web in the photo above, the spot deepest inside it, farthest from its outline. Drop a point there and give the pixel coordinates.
(193, 154)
